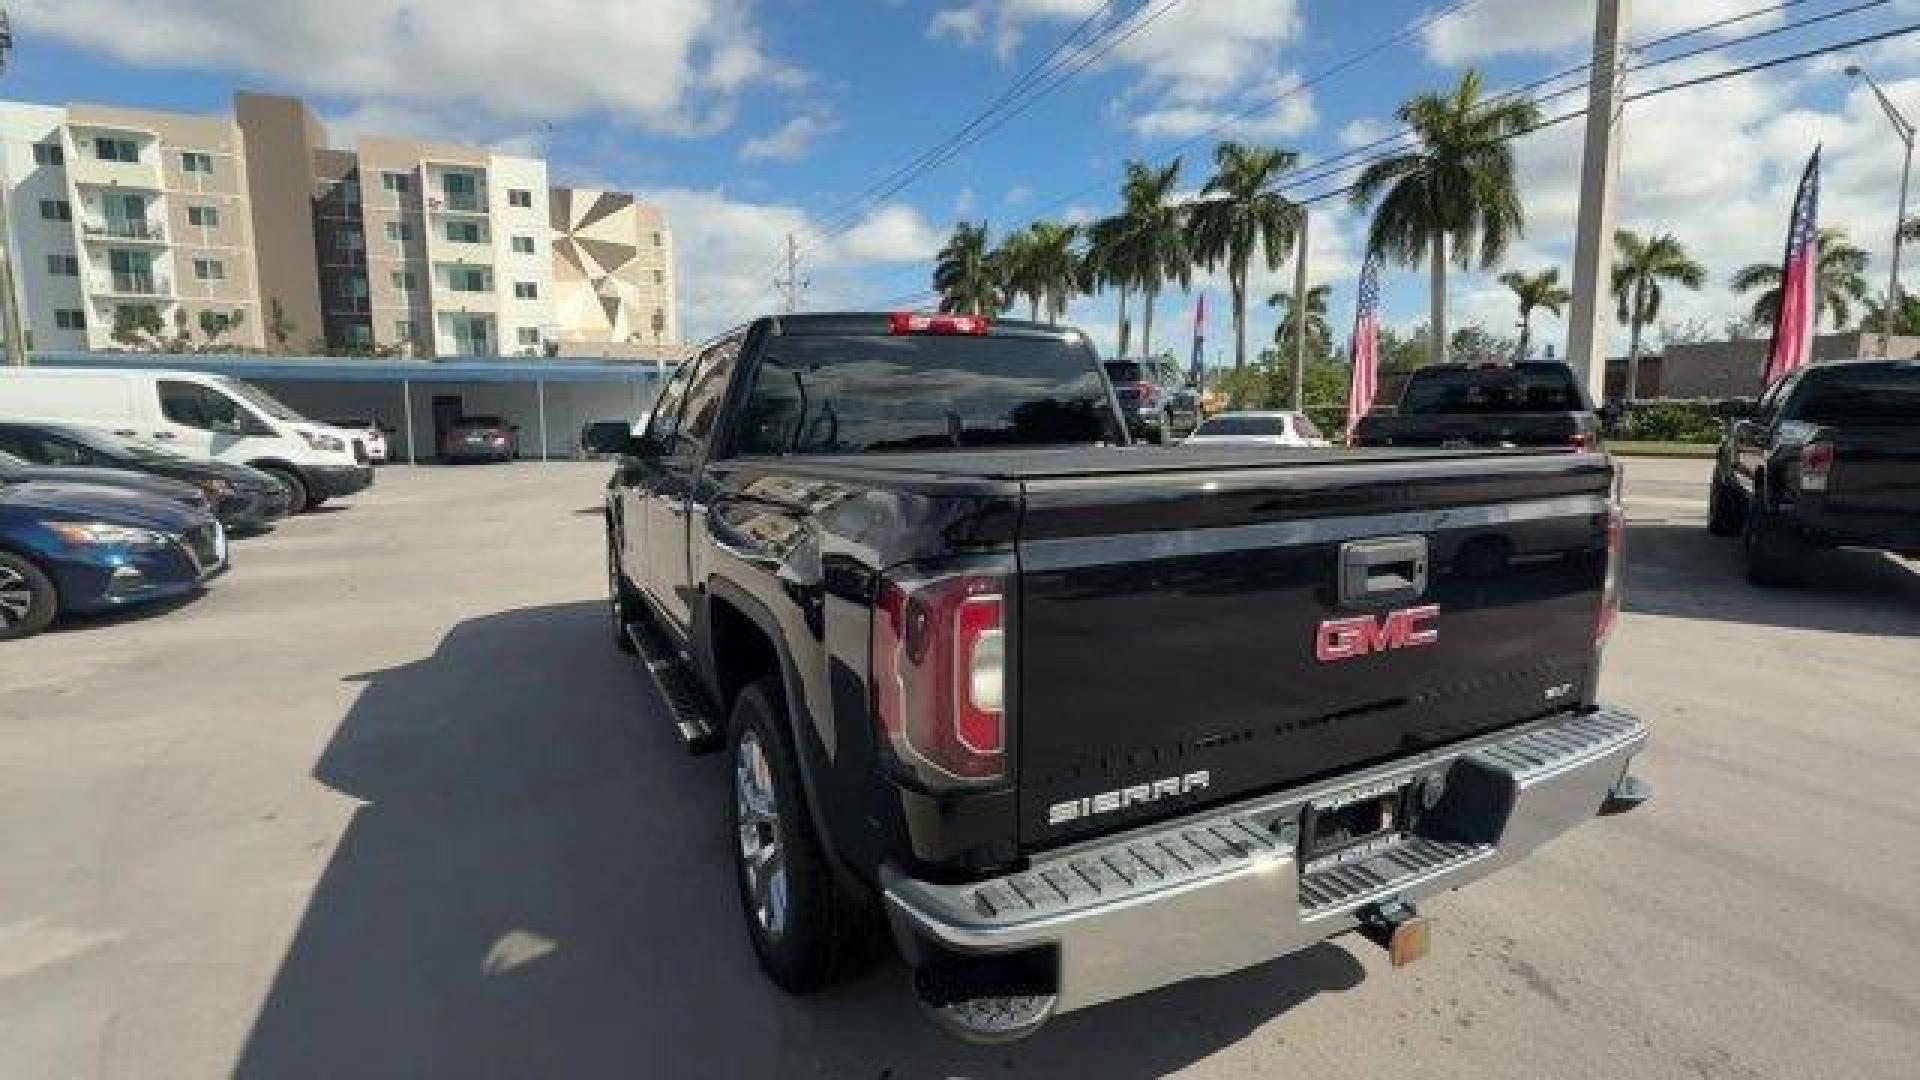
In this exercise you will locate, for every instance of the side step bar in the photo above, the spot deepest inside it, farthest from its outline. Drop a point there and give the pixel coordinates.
(693, 716)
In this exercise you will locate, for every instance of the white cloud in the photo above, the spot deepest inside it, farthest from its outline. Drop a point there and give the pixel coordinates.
(963, 25)
(728, 251)
(1018, 194)
(1279, 109)
(963, 202)
(1495, 27)
(1363, 131)
(675, 67)
(790, 141)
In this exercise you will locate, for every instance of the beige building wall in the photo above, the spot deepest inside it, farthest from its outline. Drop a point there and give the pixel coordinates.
(193, 268)
(281, 137)
(612, 270)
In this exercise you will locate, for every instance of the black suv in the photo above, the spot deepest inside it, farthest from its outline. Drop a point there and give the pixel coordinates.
(1156, 398)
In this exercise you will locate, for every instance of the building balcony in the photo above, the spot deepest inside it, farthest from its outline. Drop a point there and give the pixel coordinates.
(444, 203)
(88, 171)
(146, 286)
(130, 230)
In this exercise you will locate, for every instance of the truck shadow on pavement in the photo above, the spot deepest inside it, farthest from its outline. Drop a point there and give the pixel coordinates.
(537, 885)
(1678, 569)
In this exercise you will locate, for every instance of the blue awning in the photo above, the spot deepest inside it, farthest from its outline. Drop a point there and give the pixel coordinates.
(338, 369)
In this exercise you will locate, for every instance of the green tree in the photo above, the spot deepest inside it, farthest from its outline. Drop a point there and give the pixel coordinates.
(1640, 266)
(1053, 266)
(1017, 268)
(1239, 213)
(1839, 284)
(1475, 344)
(964, 273)
(1906, 318)
(1153, 241)
(1319, 330)
(1541, 290)
(138, 327)
(1455, 188)
(279, 327)
(215, 325)
(1103, 266)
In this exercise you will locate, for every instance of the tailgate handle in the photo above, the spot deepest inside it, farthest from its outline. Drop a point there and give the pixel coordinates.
(1387, 569)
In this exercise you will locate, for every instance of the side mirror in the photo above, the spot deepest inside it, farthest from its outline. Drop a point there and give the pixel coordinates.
(1736, 408)
(610, 437)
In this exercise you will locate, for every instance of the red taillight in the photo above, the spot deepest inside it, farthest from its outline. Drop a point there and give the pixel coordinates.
(1148, 393)
(1816, 464)
(1581, 441)
(1610, 591)
(913, 322)
(939, 676)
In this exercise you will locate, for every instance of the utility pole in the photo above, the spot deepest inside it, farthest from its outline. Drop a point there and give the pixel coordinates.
(9, 298)
(1599, 169)
(791, 285)
(1300, 315)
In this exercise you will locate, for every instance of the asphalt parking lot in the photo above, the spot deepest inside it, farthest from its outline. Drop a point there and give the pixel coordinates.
(384, 802)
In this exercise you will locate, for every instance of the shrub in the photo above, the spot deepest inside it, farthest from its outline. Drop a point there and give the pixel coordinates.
(1670, 421)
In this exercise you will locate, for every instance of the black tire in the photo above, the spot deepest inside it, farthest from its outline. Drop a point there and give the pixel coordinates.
(1726, 509)
(623, 607)
(1776, 552)
(28, 599)
(808, 940)
(297, 494)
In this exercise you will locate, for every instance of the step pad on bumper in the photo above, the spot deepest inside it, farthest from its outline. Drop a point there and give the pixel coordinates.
(1165, 860)
(1338, 888)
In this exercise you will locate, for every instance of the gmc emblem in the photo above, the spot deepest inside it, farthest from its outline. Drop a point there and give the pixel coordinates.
(1344, 639)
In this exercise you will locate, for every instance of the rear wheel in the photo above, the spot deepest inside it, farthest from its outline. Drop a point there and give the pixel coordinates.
(296, 487)
(1726, 509)
(28, 600)
(1776, 552)
(801, 924)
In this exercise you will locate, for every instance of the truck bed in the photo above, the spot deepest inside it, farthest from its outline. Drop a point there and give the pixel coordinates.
(1021, 463)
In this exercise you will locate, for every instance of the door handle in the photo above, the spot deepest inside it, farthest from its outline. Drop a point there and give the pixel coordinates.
(1387, 569)
(125, 431)
(162, 434)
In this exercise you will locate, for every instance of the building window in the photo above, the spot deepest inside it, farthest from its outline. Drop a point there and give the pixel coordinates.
(397, 182)
(404, 281)
(206, 217)
(520, 197)
(69, 319)
(194, 161)
(463, 232)
(115, 150)
(351, 241)
(467, 279)
(659, 321)
(405, 329)
(526, 290)
(63, 265)
(56, 209)
(400, 232)
(209, 270)
(659, 277)
(656, 239)
(523, 245)
(49, 154)
(528, 335)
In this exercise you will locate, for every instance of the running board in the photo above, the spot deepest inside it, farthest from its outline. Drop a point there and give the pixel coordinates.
(694, 720)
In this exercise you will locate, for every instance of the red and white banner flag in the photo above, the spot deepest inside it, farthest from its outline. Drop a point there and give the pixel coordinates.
(1366, 346)
(1793, 326)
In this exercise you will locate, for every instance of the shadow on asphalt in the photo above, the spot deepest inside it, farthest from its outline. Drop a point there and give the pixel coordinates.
(538, 885)
(1680, 570)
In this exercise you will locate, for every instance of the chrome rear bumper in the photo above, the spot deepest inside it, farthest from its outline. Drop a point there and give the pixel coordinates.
(1224, 890)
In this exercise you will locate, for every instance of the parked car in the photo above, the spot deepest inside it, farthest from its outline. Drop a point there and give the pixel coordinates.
(886, 563)
(1494, 405)
(371, 432)
(1270, 427)
(479, 438)
(1828, 457)
(14, 470)
(201, 416)
(244, 499)
(84, 548)
(1155, 397)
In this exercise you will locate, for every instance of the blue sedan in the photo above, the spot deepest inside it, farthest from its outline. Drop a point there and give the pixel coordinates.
(83, 548)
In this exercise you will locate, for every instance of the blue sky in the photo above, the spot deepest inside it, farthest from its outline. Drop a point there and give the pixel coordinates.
(748, 120)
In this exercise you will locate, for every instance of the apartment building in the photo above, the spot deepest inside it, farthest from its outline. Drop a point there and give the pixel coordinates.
(128, 226)
(399, 246)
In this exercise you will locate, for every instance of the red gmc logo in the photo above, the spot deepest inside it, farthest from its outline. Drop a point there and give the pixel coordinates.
(1344, 639)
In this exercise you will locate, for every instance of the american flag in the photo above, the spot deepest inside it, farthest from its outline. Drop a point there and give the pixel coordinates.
(1199, 338)
(1366, 345)
(1793, 326)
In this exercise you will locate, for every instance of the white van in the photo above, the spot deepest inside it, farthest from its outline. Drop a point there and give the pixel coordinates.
(199, 415)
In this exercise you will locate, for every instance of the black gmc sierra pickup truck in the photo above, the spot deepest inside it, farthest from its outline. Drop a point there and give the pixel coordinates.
(1828, 457)
(1532, 404)
(902, 570)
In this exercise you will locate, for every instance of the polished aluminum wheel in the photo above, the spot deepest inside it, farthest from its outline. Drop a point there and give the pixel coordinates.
(16, 597)
(761, 857)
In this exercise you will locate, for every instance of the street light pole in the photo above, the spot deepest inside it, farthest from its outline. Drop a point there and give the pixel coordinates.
(1904, 129)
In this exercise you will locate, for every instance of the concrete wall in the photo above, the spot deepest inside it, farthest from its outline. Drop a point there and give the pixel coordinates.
(1719, 369)
(530, 317)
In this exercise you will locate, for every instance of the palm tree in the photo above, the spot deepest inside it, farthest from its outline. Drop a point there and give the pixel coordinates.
(964, 273)
(1104, 266)
(1238, 212)
(1319, 330)
(1456, 186)
(1153, 247)
(1906, 316)
(1541, 290)
(1840, 283)
(1053, 265)
(1013, 261)
(1639, 266)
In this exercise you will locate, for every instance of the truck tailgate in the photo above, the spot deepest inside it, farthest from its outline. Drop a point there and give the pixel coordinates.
(1875, 469)
(1177, 623)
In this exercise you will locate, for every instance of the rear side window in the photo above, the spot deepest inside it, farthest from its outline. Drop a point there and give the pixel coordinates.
(42, 449)
(1865, 397)
(1521, 389)
(830, 395)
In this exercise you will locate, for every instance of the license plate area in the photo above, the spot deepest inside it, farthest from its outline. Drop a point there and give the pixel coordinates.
(1355, 824)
